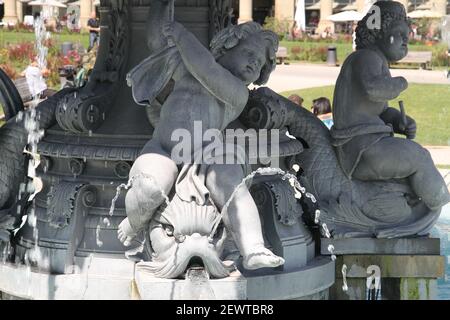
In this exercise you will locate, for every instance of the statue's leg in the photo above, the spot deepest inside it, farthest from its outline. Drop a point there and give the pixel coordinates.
(153, 176)
(241, 217)
(395, 158)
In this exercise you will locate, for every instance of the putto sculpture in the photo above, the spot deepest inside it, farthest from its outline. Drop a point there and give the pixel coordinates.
(368, 182)
(210, 87)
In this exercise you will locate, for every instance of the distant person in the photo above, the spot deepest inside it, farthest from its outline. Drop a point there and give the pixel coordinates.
(326, 33)
(271, 12)
(71, 20)
(35, 80)
(296, 99)
(448, 57)
(94, 30)
(322, 109)
(414, 32)
(314, 20)
(296, 31)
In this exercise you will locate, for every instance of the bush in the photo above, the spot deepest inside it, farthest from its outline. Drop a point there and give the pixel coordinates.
(311, 53)
(10, 71)
(280, 27)
(21, 51)
(440, 58)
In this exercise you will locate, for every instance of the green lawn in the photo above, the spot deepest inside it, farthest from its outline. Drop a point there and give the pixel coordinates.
(9, 37)
(344, 49)
(428, 104)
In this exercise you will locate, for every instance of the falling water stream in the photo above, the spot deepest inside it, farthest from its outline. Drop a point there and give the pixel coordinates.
(30, 118)
(197, 285)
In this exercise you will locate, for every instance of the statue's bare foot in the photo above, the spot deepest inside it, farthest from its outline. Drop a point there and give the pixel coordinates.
(262, 258)
(126, 234)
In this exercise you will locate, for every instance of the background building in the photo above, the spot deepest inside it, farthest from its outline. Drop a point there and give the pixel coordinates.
(317, 11)
(14, 11)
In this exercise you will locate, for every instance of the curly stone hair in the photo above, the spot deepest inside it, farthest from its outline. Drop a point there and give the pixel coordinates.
(229, 38)
(390, 11)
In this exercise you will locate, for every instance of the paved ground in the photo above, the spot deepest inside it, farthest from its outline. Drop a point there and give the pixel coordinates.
(302, 76)
(440, 155)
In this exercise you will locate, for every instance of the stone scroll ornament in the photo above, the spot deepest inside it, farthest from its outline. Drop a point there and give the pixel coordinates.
(220, 13)
(368, 182)
(85, 109)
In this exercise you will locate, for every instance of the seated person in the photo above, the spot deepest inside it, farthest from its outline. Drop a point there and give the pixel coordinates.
(296, 99)
(322, 109)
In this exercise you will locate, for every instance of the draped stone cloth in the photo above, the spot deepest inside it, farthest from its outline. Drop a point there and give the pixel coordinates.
(191, 182)
(350, 143)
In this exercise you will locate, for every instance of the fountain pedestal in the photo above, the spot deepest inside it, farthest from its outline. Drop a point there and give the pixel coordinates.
(103, 278)
(310, 282)
(409, 268)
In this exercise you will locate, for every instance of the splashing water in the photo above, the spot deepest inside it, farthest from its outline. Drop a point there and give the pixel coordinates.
(107, 222)
(97, 237)
(331, 250)
(344, 277)
(316, 217)
(30, 120)
(197, 285)
(293, 180)
(263, 172)
(129, 185)
(310, 196)
(326, 231)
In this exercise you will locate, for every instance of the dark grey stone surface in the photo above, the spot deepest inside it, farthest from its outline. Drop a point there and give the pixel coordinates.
(392, 266)
(400, 246)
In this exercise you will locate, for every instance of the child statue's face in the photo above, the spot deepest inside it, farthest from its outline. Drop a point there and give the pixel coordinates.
(246, 60)
(394, 43)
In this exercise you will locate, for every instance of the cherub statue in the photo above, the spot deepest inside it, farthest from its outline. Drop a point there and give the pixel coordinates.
(210, 87)
(364, 124)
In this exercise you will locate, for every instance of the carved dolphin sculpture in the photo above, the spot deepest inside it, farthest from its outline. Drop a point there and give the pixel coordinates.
(182, 234)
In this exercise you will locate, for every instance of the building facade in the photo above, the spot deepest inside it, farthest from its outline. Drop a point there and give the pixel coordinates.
(250, 10)
(258, 10)
(15, 10)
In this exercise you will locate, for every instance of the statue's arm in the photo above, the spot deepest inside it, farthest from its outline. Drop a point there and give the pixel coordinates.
(401, 123)
(201, 64)
(158, 15)
(376, 83)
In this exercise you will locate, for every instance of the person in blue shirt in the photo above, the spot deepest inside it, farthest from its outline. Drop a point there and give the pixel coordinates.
(322, 109)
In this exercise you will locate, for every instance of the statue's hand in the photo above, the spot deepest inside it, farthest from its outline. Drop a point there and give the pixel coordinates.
(171, 30)
(402, 83)
(408, 127)
(168, 29)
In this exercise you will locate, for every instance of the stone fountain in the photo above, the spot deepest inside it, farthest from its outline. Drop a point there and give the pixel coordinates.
(98, 168)
(91, 141)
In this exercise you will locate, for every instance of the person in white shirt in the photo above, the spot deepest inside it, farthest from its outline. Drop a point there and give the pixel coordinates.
(36, 82)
